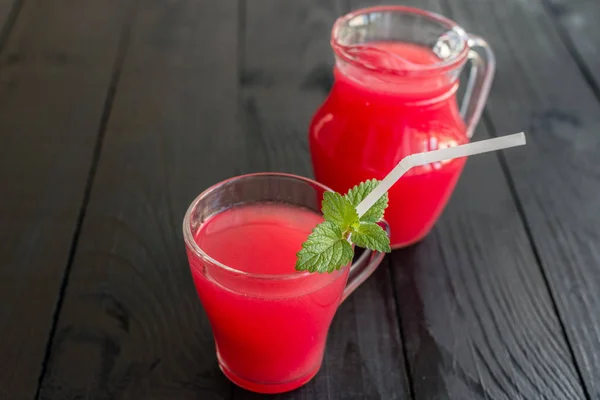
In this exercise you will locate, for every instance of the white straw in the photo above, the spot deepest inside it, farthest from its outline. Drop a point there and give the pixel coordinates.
(414, 160)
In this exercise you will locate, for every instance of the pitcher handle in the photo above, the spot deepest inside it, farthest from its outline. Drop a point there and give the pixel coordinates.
(481, 75)
(366, 264)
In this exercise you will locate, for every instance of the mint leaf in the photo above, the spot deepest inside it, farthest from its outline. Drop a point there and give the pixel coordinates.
(359, 192)
(325, 250)
(339, 210)
(371, 236)
(328, 247)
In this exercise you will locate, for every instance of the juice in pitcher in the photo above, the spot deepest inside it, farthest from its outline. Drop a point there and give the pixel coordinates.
(396, 78)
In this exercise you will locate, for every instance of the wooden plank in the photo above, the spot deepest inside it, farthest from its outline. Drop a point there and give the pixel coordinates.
(55, 71)
(556, 178)
(287, 72)
(577, 24)
(479, 322)
(8, 12)
(132, 326)
(477, 317)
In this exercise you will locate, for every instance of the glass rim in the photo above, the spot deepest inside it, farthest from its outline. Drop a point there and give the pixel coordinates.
(450, 63)
(188, 235)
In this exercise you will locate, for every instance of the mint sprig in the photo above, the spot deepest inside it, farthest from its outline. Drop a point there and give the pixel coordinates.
(328, 247)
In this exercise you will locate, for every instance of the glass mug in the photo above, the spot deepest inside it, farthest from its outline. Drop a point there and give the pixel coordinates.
(396, 77)
(269, 330)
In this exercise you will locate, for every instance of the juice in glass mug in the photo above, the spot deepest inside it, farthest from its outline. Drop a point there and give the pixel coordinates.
(269, 321)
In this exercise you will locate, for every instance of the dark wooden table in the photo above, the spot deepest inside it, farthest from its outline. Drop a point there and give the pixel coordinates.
(114, 114)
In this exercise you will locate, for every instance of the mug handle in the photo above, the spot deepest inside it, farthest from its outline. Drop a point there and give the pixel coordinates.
(366, 264)
(481, 75)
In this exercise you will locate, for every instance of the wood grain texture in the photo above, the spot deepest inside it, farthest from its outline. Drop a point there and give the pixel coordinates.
(55, 71)
(8, 13)
(286, 73)
(132, 326)
(577, 24)
(540, 89)
(477, 317)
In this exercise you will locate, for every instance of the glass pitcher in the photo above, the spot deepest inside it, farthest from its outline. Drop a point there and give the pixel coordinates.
(396, 77)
